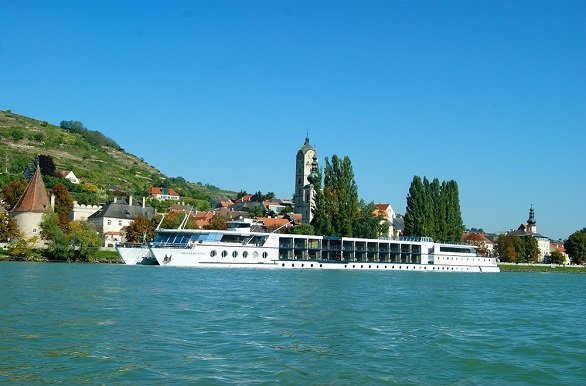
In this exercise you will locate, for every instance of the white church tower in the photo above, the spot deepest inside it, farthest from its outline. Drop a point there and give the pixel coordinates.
(303, 198)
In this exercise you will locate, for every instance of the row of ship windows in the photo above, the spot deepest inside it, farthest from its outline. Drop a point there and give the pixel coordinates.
(235, 254)
(458, 258)
(393, 267)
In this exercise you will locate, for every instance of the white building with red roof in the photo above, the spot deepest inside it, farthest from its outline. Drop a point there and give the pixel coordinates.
(163, 193)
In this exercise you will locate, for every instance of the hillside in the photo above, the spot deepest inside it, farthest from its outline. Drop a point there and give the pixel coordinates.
(107, 167)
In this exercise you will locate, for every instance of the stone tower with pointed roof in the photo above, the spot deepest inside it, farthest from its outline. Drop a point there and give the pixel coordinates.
(303, 198)
(31, 206)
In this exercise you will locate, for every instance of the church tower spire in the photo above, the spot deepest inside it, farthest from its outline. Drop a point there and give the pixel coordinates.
(531, 223)
(305, 162)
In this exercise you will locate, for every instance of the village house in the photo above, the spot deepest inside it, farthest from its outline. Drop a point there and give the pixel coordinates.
(68, 175)
(273, 207)
(393, 225)
(112, 220)
(162, 194)
(243, 199)
(271, 224)
(223, 204)
(480, 240)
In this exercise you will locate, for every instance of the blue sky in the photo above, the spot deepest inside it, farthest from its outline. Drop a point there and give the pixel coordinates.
(491, 94)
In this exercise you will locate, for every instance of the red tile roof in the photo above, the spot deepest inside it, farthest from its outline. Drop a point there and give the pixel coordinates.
(270, 222)
(34, 198)
(156, 190)
(381, 210)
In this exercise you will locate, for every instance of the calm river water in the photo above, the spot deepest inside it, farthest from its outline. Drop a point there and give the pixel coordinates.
(116, 324)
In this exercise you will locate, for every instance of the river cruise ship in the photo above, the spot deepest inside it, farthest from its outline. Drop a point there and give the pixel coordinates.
(242, 248)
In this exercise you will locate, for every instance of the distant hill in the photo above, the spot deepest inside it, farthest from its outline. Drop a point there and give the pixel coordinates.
(94, 158)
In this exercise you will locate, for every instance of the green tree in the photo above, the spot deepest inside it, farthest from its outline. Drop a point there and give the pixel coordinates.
(336, 205)
(217, 222)
(366, 225)
(63, 205)
(8, 228)
(556, 257)
(140, 230)
(172, 220)
(440, 209)
(22, 248)
(80, 242)
(506, 249)
(454, 224)
(46, 165)
(58, 243)
(530, 249)
(321, 222)
(304, 229)
(84, 240)
(429, 220)
(255, 211)
(415, 212)
(517, 249)
(433, 210)
(576, 246)
(12, 191)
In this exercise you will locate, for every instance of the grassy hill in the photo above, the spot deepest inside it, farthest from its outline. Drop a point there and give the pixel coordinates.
(106, 168)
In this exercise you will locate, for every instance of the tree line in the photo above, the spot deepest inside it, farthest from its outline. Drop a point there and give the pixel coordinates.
(91, 136)
(433, 210)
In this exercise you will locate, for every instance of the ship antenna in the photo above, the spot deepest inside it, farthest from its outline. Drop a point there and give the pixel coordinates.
(160, 222)
(184, 222)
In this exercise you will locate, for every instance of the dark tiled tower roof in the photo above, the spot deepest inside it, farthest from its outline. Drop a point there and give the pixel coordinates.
(34, 198)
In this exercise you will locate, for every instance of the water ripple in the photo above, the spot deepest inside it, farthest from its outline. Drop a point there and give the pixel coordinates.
(75, 323)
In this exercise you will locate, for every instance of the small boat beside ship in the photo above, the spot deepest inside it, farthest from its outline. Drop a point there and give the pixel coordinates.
(136, 254)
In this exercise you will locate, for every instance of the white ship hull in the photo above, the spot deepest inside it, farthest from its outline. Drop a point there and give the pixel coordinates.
(267, 258)
(137, 255)
(245, 249)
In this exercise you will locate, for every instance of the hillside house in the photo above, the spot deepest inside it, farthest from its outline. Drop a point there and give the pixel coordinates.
(243, 199)
(68, 175)
(393, 224)
(162, 194)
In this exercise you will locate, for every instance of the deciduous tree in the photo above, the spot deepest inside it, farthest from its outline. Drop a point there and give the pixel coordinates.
(303, 229)
(8, 228)
(12, 191)
(46, 165)
(556, 257)
(217, 222)
(84, 240)
(63, 205)
(172, 220)
(576, 246)
(366, 225)
(140, 230)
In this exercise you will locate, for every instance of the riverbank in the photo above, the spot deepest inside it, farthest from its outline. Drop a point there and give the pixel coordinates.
(101, 257)
(511, 267)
